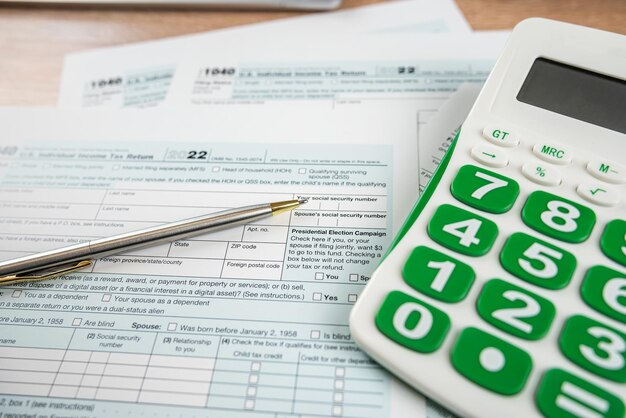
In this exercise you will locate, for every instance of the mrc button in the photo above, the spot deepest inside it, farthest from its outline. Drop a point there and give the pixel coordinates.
(553, 153)
(500, 135)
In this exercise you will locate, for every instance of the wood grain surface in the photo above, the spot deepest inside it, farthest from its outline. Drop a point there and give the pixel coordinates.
(34, 39)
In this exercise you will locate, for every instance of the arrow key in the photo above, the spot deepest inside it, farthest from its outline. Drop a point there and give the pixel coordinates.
(490, 156)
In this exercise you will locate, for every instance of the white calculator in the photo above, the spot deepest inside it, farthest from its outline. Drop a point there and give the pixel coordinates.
(505, 292)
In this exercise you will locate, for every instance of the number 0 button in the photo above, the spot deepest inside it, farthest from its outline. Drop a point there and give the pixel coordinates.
(562, 395)
(484, 189)
(490, 362)
(412, 323)
(557, 217)
(462, 231)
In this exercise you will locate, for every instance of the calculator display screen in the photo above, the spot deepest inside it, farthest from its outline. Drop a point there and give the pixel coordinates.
(577, 93)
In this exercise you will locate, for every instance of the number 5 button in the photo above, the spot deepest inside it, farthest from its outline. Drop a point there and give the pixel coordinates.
(462, 231)
(484, 190)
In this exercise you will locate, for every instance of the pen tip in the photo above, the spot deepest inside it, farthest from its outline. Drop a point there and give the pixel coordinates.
(303, 201)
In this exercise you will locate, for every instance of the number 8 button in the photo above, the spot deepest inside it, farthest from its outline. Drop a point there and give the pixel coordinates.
(557, 217)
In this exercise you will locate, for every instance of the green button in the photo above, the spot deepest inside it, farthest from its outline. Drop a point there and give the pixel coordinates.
(604, 289)
(613, 241)
(562, 395)
(462, 231)
(557, 217)
(490, 362)
(537, 262)
(595, 347)
(515, 310)
(438, 275)
(485, 190)
(412, 323)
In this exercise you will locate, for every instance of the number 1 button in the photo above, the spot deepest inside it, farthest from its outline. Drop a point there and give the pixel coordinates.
(462, 231)
(484, 189)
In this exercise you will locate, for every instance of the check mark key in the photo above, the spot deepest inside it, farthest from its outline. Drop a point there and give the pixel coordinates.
(599, 194)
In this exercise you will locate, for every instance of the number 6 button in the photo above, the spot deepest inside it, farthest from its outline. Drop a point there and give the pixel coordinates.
(604, 290)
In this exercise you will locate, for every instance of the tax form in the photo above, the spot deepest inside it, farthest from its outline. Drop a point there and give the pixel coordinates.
(140, 75)
(248, 322)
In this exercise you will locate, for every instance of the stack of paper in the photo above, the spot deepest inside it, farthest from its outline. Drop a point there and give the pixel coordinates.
(341, 108)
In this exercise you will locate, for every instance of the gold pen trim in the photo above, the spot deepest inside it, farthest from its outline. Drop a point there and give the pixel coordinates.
(48, 273)
(286, 205)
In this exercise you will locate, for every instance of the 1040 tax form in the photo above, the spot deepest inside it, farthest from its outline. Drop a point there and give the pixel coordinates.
(251, 321)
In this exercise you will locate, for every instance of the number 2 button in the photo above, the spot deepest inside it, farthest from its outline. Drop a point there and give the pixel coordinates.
(462, 231)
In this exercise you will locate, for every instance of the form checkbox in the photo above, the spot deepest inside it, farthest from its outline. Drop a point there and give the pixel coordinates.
(249, 404)
(77, 321)
(302, 171)
(106, 297)
(255, 366)
(315, 334)
(216, 169)
(338, 397)
(340, 371)
(254, 379)
(317, 296)
(337, 411)
(172, 326)
(354, 277)
(251, 391)
(319, 276)
(352, 297)
(339, 384)
(16, 294)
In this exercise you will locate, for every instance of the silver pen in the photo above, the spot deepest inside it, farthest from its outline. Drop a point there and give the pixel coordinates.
(54, 263)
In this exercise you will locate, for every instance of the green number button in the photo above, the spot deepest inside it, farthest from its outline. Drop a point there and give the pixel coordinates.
(595, 347)
(484, 189)
(557, 217)
(438, 275)
(412, 323)
(462, 231)
(604, 289)
(490, 362)
(515, 310)
(613, 241)
(537, 262)
(562, 395)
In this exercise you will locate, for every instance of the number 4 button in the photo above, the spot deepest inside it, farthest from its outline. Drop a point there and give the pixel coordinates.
(462, 231)
(484, 189)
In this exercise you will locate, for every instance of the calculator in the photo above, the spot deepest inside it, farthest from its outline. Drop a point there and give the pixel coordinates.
(504, 294)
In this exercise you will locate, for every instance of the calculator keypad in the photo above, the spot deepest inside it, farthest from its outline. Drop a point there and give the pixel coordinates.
(509, 304)
(557, 217)
(491, 362)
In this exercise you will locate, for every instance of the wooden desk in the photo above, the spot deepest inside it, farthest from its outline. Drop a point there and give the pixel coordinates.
(33, 40)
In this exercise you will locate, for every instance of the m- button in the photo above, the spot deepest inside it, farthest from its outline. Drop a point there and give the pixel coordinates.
(609, 171)
(552, 153)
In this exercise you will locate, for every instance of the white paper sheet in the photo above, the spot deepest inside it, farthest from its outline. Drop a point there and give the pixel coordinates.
(140, 74)
(247, 322)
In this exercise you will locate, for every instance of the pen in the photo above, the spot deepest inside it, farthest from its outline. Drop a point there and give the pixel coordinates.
(54, 263)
